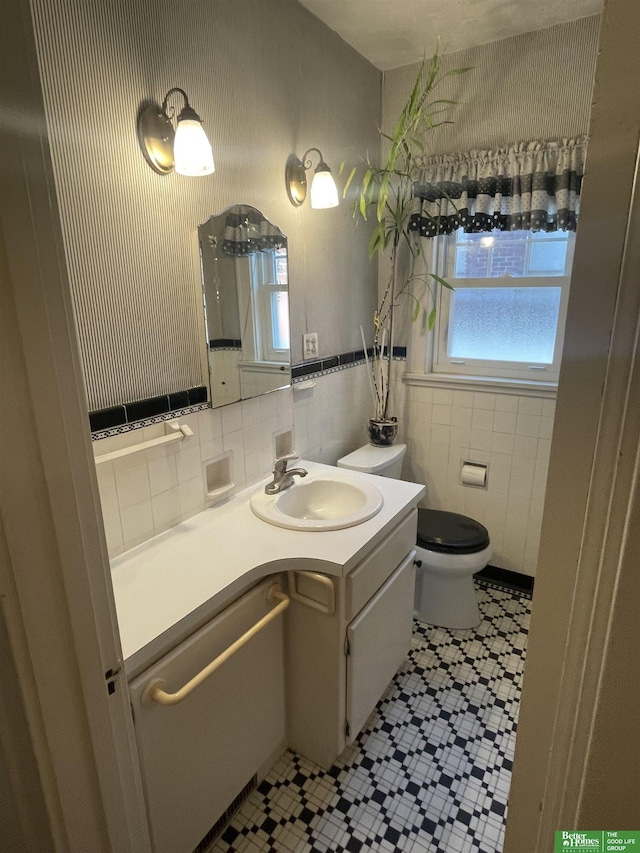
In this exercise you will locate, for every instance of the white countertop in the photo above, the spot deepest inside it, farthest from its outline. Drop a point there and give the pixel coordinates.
(169, 586)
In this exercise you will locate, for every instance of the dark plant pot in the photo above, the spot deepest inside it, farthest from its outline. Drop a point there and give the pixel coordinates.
(382, 431)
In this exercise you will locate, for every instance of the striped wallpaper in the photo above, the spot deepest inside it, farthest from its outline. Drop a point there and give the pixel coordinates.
(533, 86)
(128, 301)
(268, 80)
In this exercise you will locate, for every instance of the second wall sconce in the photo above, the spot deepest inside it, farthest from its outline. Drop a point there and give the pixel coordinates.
(186, 149)
(324, 192)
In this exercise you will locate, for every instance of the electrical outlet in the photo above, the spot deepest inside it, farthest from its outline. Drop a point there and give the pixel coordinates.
(310, 345)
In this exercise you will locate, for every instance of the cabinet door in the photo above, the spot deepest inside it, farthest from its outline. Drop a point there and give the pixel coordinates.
(197, 756)
(379, 639)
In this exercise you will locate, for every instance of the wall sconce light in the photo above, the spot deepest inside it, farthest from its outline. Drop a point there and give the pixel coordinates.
(324, 192)
(186, 149)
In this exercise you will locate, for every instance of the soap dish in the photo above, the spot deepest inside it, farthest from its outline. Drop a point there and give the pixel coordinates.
(218, 478)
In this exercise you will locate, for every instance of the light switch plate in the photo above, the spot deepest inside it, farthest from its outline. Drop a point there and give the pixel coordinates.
(310, 345)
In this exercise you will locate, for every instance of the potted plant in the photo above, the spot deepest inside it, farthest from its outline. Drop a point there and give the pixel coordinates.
(388, 189)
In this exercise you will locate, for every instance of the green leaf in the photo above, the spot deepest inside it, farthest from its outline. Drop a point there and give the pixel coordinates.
(363, 206)
(342, 165)
(376, 241)
(441, 281)
(431, 320)
(416, 311)
(458, 71)
(349, 179)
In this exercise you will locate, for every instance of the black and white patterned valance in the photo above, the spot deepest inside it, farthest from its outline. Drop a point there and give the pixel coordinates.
(533, 186)
(246, 231)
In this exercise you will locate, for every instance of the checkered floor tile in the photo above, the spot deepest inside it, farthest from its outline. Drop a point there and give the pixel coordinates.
(430, 772)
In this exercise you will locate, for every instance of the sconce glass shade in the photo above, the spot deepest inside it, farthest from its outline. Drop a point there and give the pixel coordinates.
(324, 192)
(191, 149)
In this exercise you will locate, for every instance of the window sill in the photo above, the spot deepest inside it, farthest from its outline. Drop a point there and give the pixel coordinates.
(523, 387)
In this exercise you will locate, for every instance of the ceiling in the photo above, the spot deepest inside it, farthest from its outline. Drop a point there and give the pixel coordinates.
(390, 33)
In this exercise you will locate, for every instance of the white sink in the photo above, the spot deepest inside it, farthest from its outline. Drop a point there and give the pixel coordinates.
(319, 503)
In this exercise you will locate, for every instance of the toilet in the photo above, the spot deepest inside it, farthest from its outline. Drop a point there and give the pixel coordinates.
(450, 548)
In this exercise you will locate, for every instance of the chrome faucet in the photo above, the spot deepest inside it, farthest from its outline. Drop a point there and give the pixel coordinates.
(282, 478)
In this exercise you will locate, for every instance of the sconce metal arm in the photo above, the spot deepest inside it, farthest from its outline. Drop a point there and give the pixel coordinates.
(187, 112)
(307, 163)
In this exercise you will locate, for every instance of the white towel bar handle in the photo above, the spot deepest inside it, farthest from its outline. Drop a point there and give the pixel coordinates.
(155, 692)
(177, 432)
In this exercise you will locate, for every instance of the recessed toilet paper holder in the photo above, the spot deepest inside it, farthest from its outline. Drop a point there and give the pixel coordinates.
(473, 474)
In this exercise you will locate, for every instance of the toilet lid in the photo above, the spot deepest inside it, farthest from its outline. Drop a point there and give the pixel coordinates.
(450, 533)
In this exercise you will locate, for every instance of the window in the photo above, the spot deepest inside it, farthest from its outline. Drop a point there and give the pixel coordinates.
(505, 317)
(271, 292)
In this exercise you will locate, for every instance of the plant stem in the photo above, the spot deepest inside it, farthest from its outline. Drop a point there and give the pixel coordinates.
(392, 296)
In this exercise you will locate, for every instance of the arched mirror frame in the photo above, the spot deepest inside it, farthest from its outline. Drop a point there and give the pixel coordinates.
(245, 282)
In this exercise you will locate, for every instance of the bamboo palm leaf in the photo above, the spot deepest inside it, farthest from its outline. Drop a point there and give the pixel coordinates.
(349, 179)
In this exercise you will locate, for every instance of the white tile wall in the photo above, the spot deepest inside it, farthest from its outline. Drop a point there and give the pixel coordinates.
(148, 492)
(144, 494)
(508, 432)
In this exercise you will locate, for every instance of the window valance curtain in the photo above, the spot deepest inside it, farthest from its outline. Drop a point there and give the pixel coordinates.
(246, 231)
(533, 186)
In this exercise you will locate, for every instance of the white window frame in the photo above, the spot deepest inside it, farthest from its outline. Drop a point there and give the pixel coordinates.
(442, 365)
(264, 284)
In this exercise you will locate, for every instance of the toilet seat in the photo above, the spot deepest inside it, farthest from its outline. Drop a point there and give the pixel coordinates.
(450, 532)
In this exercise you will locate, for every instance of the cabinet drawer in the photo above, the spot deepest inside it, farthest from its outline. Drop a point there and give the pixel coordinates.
(197, 756)
(369, 576)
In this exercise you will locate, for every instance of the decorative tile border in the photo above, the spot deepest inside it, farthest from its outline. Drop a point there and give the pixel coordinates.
(225, 344)
(320, 367)
(167, 416)
(145, 412)
(141, 413)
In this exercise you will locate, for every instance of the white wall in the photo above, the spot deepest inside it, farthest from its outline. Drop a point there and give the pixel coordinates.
(509, 433)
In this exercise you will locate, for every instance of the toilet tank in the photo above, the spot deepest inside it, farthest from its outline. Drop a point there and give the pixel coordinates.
(370, 459)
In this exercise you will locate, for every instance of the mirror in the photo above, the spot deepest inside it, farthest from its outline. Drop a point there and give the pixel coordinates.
(245, 277)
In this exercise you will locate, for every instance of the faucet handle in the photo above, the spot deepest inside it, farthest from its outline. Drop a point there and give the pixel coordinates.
(280, 465)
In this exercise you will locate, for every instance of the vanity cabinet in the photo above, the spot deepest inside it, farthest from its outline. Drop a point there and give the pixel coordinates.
(345, 642)
(198, 755)
(308, 680)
